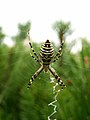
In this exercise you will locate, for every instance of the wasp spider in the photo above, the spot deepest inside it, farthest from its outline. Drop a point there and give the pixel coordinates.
(45, 58)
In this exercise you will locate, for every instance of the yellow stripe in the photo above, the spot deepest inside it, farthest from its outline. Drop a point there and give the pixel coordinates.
(46, 53)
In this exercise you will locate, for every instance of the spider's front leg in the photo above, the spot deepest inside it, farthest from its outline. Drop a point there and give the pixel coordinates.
(60, 82)
(59, 54)
(35, 57)
(35, 75)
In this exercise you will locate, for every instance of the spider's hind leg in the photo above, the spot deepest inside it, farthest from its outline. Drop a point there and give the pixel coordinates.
(34, 76)
(60, 82)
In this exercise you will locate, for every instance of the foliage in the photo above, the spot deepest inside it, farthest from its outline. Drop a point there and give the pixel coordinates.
(22, 32)
(2, 35)
(19, 103)
(62, 28)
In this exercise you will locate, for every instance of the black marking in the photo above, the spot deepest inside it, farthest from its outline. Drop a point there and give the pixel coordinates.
(61, 88)
(56, 76)
(59, 79)
(30, 44)
(37, 58)
(61, 46)
(47, 41)
(29, 83)
(35, 75)
(46, 52)
(58, 55)
(60, 51)
(47, 57)
(32, 78)
(60, 84)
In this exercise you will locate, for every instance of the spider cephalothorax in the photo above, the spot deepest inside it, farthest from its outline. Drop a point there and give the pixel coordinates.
(45, 59)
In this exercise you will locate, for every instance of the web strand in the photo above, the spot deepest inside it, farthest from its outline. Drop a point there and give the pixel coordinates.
(53, 103)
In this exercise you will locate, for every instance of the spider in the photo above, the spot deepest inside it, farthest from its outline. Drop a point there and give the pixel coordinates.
(46, 58)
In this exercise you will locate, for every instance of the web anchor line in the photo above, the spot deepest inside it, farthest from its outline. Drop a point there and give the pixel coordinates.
(55, 92)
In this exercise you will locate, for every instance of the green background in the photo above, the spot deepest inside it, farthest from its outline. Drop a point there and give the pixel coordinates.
(17, 67)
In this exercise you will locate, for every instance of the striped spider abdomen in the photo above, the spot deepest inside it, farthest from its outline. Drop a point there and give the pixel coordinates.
(45, 59)
(46, 52)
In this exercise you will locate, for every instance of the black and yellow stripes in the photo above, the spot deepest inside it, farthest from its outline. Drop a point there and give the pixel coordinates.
(45, 59)
(35, 75)
(46, 52)
(59, 54)
(60, 82)
(35, 57)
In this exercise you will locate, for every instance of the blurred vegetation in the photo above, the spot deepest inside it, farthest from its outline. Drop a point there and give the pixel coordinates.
(2, 35)
(17, 67)
(22, 32)
(63, 29)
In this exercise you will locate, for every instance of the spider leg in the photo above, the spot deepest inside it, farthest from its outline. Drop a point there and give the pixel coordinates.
(59, 54)
(60, 82)
(34, 76)
(35, 57)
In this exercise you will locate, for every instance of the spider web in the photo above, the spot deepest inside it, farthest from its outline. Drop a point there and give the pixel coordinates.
(53, 103)
(20, 51)
(25, 51)
(55, 93)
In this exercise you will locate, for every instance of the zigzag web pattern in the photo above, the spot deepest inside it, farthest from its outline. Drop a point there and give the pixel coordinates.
(55, 93)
